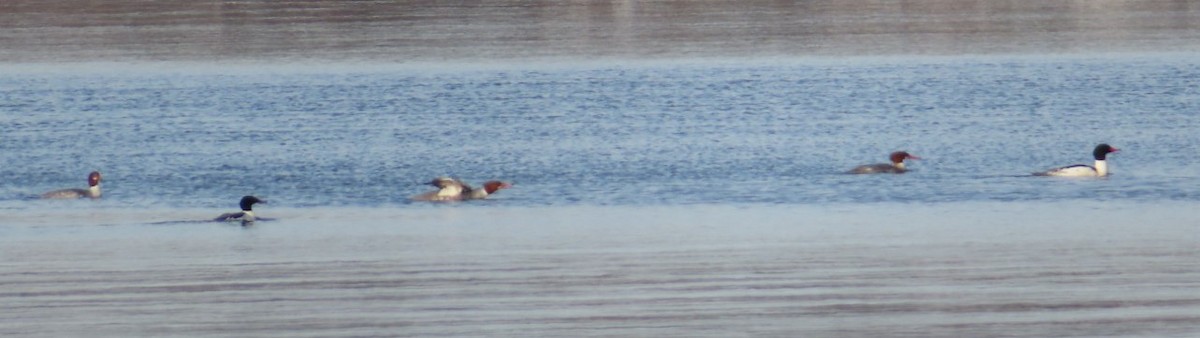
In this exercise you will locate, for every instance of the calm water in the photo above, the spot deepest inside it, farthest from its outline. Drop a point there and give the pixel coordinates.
(673, 185)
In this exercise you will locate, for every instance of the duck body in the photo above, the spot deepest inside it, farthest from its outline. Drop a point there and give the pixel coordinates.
(1100, 153)
(1078, 170)
(879, 168)
(92, 191)
(449, 189)
(896, 167)
(243, 216)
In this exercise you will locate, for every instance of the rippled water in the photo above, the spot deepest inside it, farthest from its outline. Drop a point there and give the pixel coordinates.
(702, 198)
(768, 132)
(677, 184)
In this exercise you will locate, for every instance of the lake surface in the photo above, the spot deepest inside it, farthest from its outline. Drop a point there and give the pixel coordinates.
(668, 180)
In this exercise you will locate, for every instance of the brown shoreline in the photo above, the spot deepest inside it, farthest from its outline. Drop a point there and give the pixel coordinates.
(133, 30)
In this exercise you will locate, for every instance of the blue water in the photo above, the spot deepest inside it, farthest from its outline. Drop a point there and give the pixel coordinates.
(699, 132)
(678, 168)
(651, 198)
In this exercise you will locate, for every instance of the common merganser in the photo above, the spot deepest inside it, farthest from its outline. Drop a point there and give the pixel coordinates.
(451, 189)
(896, 167)
(93, 190)
(1080, 170)
(489, 187)
(246, 216)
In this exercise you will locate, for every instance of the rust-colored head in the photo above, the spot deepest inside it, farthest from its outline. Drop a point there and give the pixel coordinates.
(94, 179)
(900, 156)
(493, 186)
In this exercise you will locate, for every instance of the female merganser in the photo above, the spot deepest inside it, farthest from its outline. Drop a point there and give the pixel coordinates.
(246, 216)
(489, 187)
(1079, 170)
(449, 189)
(896, 167)
(93, 190)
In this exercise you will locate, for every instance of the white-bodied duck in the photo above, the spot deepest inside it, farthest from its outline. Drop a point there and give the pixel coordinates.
(1081, 170)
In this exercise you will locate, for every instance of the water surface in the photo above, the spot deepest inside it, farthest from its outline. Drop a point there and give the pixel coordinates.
(678, 168)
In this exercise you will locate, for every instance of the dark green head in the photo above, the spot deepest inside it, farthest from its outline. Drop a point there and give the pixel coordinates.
(248, 201)
(1103, 150)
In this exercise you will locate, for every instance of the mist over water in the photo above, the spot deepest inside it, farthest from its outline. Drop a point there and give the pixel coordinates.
(678, 168)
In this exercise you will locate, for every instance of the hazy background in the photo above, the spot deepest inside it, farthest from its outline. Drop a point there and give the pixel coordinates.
(403, 31)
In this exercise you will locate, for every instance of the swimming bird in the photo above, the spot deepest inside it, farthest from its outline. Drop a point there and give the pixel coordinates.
(1080, 170)
(489, 188)
(246, 216)
(451, 189)
(93, 190)
(896, 167)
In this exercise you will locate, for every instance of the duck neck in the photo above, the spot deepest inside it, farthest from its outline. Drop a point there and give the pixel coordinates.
(94, 191)
(1101, 168)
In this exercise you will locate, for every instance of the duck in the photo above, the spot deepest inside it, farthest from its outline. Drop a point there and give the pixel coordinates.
(452, 189)
(1100, 153)
(92, 191)
(489, 188)
(896, 167)
(246, 216)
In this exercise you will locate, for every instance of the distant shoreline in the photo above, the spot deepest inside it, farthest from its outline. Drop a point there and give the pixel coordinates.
(267, 66)
(217, 31)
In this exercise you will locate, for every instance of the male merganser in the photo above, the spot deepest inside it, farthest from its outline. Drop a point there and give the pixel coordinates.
(896, 167)
(489, 187)
(246, 216)
(451, 189)
(1079, 170)
(93, 190)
